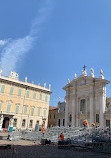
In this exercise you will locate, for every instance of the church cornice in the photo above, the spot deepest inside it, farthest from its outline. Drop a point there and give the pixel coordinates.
(73, 83)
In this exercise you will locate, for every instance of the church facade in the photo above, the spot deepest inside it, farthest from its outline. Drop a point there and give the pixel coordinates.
(86, 100)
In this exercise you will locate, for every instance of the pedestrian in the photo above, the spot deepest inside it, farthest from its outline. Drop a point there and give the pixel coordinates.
(43, 131)
(61, 136)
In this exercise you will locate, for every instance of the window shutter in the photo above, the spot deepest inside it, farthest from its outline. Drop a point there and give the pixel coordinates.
(25, 109)
(2, 88)
(32, 111)
(19, 92)
(8, 107)
(45, 113)
(38, 111)
(40, 97)
(0, 105)
(46, 97)
(17, 109)
(34, 95)
(27, 95)
(11, 90)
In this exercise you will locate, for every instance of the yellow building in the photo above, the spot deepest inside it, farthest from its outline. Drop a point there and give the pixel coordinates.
(23, 105)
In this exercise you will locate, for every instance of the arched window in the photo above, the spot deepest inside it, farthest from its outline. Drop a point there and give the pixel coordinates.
(82, 105)
(31, 124)
(23, 123)
(15, 122)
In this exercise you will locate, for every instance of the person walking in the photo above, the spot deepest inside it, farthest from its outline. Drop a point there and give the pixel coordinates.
(61, 136)
(43, 131)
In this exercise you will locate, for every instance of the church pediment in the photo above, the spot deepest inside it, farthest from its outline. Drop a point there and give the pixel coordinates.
(86, 80)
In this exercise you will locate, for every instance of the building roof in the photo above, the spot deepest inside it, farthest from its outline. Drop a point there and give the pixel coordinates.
(14, 80)
(52, 108)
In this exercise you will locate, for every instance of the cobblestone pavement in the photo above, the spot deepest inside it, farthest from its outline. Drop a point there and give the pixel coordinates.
(48, 152)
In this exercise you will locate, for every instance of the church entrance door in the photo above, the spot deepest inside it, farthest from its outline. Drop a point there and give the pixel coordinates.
(5, 123)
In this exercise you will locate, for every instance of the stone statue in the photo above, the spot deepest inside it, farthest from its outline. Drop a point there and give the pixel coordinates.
(92, 72)
(14, 75)
(101, 74)
(68, 81)
(82, 72)
(25, 79)
(75, 76)
(85, 73)
(44, 85)
(50, 86)
(59, 99)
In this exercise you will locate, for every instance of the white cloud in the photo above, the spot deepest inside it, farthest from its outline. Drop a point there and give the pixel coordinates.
(14, 50)
(3, 42)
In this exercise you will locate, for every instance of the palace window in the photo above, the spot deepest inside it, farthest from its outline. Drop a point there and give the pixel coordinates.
(44, 112)
(82, 105)
(34, 95)
(40, 97)
(15, 122)
(97, 118)
(50, 115)
(0, 105)
(27, 94)
(17, 108)
(25, 110)
(54, 116)
(11, 90)
(23, 122)
(46, 98)
(19, 92)
(38, 111)
(31, 123)
(2, 88)
(8, 107)
(32, 111)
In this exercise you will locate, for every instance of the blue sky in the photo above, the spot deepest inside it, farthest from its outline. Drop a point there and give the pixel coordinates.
(50, 40)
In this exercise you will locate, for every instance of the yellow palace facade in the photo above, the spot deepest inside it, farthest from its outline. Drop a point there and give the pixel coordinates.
(23, 105)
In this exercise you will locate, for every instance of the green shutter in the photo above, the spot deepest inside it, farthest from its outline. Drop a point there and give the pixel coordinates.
(45, 113)
(32, 111)
(40, 97)
(25, 109)
(34, 95)
(38, 111)
(8, 107)
(0, 105)
(17, 109)
(2, 88)
(19, 92)
(27, 95)
(46, 97)
(11, 90)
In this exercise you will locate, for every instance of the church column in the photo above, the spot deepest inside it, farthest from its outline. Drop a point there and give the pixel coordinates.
(66, 113)
(91, 110)
(1, 121)
(77, 112)
(73, 112)
(102, 109)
